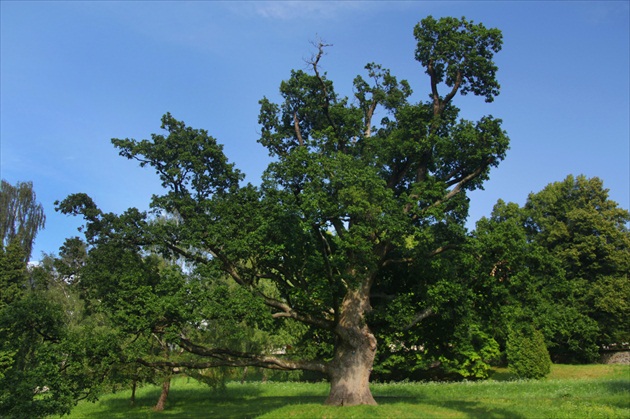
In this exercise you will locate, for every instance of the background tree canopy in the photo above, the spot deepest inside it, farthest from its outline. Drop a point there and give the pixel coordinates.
(562, 262)
(22, 216)
(50, 355)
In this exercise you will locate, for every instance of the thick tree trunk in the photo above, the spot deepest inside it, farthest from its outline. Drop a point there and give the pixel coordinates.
(350, 369)
(166, 386)
(350, 374)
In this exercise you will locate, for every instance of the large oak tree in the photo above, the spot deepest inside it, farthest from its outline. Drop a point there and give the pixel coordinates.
(350, 205)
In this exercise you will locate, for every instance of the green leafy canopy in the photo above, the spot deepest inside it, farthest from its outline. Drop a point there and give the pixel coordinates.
(350, 208)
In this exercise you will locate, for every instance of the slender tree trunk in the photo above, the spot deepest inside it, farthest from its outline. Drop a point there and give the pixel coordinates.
(166, 386)
(244, 375)
(133, 392)
(350, 369)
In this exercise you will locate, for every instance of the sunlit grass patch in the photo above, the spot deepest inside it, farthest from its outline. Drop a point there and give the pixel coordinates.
(589, 371)
(574, 391)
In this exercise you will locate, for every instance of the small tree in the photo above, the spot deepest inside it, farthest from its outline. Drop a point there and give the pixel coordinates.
(527, 353)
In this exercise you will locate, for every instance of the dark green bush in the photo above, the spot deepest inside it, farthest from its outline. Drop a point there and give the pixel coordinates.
(527, 353)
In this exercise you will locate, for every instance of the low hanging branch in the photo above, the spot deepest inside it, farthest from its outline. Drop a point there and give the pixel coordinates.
(286, 311)
(269, 362)
(228, 358)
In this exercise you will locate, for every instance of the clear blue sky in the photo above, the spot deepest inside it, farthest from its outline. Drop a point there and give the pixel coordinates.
(76, 74)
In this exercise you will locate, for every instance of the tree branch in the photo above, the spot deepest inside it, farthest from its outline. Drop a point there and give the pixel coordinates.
(338, 225)
(226, 357)
(327, 99)
(419, 317)
(464, 180)
(442, 249)
(449, 97)
(269, 362)
(287, 311)
(296, 125)
(315, 62)
(368, 118)
(178, 250)
(391, 261)
(434, 89)
(273, 303)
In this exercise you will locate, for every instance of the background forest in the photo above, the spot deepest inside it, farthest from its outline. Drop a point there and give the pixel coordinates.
(90, 319)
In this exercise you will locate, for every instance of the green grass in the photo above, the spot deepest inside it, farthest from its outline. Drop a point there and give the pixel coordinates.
(584, 391)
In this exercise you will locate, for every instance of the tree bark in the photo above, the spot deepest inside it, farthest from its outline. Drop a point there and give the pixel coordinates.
(350, 369)
(166, 386)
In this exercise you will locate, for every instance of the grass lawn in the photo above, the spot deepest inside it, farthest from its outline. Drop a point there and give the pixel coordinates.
(571, 391)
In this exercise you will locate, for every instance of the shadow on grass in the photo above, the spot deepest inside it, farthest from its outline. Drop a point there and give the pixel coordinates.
(237, 407)
(502, 375)
(469, 408)
(235, 402)
(620, 393)
(248, 401)
(618, 386)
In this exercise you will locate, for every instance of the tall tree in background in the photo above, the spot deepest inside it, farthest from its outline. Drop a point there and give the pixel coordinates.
(561, 262)
(587, 232)
(21, 216)
(350, 206)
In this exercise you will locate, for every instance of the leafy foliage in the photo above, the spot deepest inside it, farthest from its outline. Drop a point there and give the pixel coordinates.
(588, 234)
(349, 208)
(21, 215)
(459, 53)
(527, 354)
(50, 357)
(560, 263)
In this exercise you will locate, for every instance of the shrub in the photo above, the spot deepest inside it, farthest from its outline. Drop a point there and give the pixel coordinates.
(471, 357)
(527, 353)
